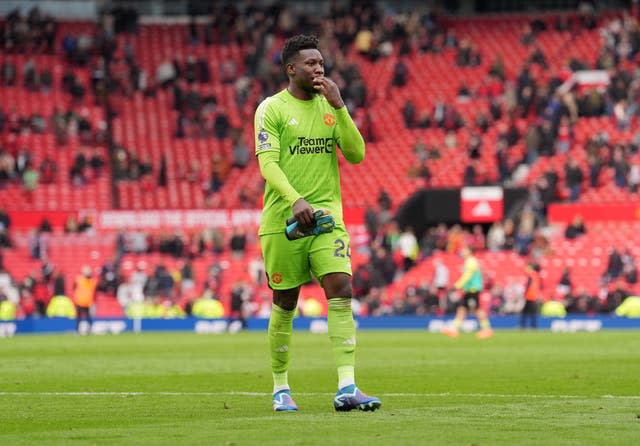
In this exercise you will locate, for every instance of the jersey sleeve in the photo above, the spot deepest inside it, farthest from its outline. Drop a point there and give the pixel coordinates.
(470, 267)
(267, 136)
(275, 177)
(348, 136)
(268, 151)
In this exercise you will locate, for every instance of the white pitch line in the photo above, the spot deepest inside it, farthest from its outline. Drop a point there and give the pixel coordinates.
(265, 394)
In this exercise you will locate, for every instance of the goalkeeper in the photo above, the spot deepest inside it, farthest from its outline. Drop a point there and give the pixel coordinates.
(297, 133)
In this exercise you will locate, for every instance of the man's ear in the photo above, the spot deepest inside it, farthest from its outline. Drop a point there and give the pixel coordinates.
(291, 69)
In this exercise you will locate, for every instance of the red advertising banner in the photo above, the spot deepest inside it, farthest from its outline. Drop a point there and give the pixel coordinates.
(564, 213)
(158, 218)
(185, 219)
(483, 204)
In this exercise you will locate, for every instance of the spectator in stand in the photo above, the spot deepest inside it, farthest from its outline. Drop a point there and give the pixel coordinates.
(96, 162)
(565, 284)
(48, 170)
(59, 283)
(221, 124)
(165, 73)
(502, 161)
(528, 36)
(238, 242)
(634, 176)
(616, 294)
(408, 246)
(409, 114)
(241, 154)
(219, 172)
(42, 294)
(620, 167)
(384, 200)
(576, 228)
(622, 115)
(614, 266)
(573, 178)
(440, 282)
(547, 138)
(23, 160)
(509, 234)
(595, 167)
(8, 74)
(400, 73)
(8, 287)
(30, 179)
(109, 278)
(162, 172)
(629, 268)
(476, 239)
(564, 135)
(496, 237)
(469, 175)
(455, 239)
(580, 302)
(5, 225)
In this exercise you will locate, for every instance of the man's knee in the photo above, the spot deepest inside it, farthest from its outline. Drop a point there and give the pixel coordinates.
(286, 299)
(337, 285)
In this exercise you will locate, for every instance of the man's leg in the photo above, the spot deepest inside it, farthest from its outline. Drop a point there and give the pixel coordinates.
(280, 330)
(461, 314)
(89, 320)
(342, 333)
(534, 315)
(78, 318)
(485, 326)
(523, 315)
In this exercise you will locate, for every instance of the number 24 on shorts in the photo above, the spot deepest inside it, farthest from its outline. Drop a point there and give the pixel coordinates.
(340, 248)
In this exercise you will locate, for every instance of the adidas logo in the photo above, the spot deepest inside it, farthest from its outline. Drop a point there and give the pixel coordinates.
(282, 349)
(350, 341)
(482, 209)
(293, 121)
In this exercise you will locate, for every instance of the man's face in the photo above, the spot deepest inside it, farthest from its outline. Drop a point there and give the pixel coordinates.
(305, 67)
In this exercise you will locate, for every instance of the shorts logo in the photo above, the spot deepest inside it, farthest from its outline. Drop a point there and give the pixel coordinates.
(329, 119)
(276, 278)
(262, 136)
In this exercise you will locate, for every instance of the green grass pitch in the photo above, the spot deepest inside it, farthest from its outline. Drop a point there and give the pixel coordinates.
(518, 388)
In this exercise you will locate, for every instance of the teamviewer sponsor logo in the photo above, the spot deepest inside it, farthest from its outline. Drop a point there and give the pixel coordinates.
(307, 146)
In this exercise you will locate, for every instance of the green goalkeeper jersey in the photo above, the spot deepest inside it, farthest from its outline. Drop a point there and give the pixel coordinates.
(305, 135)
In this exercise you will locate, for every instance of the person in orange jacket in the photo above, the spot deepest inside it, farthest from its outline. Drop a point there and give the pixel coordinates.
(84, 293)
(532, 296)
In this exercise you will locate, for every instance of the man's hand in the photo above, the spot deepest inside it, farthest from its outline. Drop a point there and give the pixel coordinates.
(303, 213)
(323, 223)
(329, 90)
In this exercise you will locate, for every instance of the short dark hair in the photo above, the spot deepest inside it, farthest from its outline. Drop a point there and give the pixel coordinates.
(296, 43)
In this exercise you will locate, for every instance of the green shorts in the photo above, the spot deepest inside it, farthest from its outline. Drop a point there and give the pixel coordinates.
(289, 264)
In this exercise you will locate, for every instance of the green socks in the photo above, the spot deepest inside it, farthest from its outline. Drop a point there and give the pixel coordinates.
(342, 333)
(280, 328)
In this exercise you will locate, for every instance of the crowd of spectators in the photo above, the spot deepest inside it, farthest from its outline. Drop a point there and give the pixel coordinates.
(550, 112)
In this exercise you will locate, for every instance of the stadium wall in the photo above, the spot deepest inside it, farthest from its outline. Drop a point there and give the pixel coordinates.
(316, 325)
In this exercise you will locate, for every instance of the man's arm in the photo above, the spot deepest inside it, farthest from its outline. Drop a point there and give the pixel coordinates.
(273, 174)
(469, 268)
(349, 137)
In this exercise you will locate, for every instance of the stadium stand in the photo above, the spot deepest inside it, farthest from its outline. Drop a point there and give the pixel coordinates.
(168, 104)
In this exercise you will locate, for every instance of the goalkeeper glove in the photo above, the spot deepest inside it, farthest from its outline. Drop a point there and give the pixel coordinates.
(324, 222)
